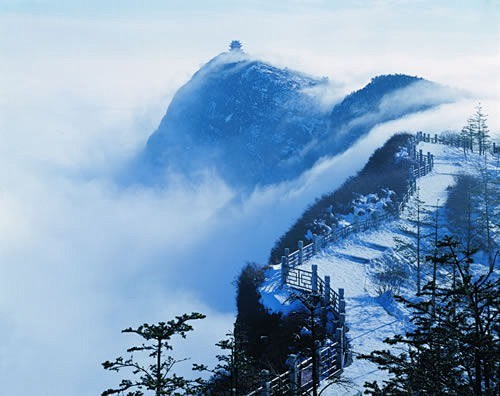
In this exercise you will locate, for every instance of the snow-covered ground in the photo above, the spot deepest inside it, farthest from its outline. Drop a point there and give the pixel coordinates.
(371, 318)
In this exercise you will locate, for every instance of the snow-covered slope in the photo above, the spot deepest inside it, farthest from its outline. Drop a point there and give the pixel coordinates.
(349, 263)
(239, 116)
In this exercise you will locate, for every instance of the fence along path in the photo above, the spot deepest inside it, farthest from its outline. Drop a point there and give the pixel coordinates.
(330, 359)
(455, 140)
(304, 280)
(298, 379)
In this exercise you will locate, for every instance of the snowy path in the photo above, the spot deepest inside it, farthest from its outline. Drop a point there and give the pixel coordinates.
(364, 311)
(371, 319)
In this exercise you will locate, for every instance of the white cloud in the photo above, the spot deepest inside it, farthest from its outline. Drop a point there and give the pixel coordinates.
(81, 258)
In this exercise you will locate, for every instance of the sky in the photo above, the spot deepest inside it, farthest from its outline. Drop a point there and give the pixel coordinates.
(84, 84)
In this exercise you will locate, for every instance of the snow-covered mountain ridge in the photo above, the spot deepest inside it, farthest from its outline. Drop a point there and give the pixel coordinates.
(352, 262)
(255, 124)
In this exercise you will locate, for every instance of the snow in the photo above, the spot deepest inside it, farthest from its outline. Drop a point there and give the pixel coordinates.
(371, 318)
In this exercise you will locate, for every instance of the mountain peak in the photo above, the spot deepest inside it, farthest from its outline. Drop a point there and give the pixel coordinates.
(255, 123)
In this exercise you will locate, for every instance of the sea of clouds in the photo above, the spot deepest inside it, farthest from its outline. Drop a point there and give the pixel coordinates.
(80, 256)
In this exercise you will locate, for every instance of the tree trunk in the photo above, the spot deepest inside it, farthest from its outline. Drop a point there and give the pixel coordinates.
(418, 247)
(158, 369)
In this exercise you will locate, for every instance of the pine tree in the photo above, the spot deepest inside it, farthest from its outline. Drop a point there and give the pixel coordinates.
(482, 130)
(467, 138)
(156, 376)
(453, 345)
(414, 252)
(489, 195)
(235, 372)
(477, 129)
(256, 327)
(472, 211)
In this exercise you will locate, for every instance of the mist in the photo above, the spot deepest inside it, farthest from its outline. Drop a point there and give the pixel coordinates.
(82, 257)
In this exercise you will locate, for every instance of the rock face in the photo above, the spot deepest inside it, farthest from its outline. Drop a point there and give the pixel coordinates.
(243, 117)
(256, 124)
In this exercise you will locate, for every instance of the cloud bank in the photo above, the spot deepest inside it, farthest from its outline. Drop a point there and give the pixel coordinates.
(80, 258)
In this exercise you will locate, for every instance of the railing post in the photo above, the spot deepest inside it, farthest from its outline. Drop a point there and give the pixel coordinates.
(342, 318)
(340, 347)
(317, 243)
(327, 292)
(432, 161)
(294, 375)
(341, 308)
(324, 316)
(284, 270)
(301, 252)
(317, 363)
(287, 256)
(435, 138)
(266, 385)
(429, 160)
(314, 278)
(420, 157)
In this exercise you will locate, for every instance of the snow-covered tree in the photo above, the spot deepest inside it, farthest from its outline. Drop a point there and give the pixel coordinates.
(467, 138)
(477, 129)
(412, 251)
(453, 345)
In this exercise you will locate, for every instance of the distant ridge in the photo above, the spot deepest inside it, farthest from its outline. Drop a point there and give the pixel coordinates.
(257, 124)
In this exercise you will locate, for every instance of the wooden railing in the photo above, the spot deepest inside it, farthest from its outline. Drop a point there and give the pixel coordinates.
(298, 380)
(289, 261)
(454, 140)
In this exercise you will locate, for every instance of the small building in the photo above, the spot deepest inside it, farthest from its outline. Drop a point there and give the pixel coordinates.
(235, 46)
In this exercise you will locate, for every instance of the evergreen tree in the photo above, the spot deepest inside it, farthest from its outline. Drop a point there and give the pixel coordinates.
(488, 198)
(477, 129)
(255, 326)
(235, 370)
(472, 212)
(156, 376)
(453, 345)
(411, 252)
(462, 209)
(467, 138)
(482, 131)
(225, 371)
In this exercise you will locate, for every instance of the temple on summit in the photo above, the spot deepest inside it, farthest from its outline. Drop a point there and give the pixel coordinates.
(235, 46)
